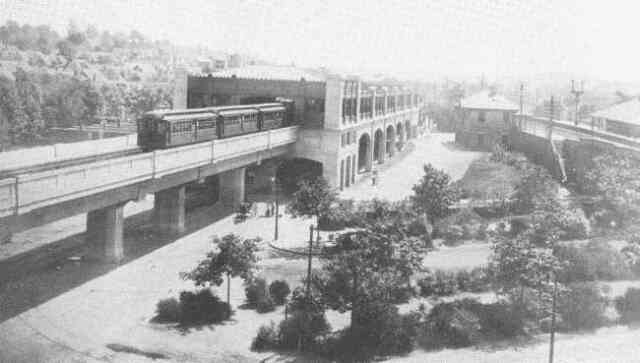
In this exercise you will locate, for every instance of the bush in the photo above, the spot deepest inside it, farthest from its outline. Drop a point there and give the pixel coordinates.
(452, 235)
(377, 330)
(444, 283)
(480, 280)
(582, 307)
(202, 307)
(466, 322)
(302, 327)
(279, 290)
(594, 261)
(500, 321)
(168, 311)
(266, 339)
(265, 305)
(451, 325)
(255, 291)
(628, 306)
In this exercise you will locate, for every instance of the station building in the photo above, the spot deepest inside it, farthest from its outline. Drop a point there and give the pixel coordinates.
(485, 120)
(348, 124)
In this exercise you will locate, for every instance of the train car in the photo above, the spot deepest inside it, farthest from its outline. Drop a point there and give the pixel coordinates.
(160, 130)
(169, 128)
(235, 122)
(272, 116)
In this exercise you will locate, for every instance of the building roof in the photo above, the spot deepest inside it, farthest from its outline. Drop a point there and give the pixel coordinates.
(273, 73)
(484, 100)
(628, 112)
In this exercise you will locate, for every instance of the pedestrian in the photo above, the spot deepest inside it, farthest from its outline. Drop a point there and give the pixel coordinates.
(374, 177)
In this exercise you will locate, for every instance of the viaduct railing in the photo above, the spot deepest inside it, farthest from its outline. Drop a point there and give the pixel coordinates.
(26, 192)
(25, 158)
(540, 126)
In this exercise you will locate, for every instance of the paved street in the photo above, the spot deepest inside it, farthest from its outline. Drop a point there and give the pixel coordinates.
(395, 182)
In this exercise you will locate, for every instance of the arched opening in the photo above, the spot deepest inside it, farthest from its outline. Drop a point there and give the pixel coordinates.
(347, 181)
(291, 172)
(378, 146)
(364, 153)
(400, 132)
(407, 127)
(391, 138)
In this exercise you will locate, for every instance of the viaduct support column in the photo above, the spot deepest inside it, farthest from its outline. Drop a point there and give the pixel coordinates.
(232, 187)
(104, 233)
(168, 209)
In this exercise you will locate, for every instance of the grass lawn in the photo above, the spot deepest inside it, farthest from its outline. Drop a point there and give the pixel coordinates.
(486, 179)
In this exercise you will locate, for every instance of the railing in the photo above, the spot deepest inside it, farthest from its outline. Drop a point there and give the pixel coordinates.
(24, 158)
(540, 126)
(30, 191)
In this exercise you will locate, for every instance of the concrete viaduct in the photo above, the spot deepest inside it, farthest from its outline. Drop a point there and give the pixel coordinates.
(101, 188)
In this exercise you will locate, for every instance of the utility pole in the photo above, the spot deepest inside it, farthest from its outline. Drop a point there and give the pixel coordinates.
(309, 257)
(553, 318)
(521, 106)
(551, 110)
(576, 94)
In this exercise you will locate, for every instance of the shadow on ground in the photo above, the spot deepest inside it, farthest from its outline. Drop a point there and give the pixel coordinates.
(46, 272)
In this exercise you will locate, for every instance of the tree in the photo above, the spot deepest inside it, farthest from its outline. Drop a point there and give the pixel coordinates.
(536, 190)
(235, 257)
(614, 178)
(365, 265)
(434, 194)
(66, 50)
(30, 96)
(314, 198)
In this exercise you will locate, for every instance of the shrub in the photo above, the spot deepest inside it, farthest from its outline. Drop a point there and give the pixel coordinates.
(378, 330)
(450, 325)
(440, 283)
(500, 321)
(628, 306)
(582, 307)
(453, 235)
(265, 305)
(255, 291)
(202, 307)
(279, 290)
(266, 339)
(168, 311)
(466, 322)
(480, 280)
(594, 261)
(302, 327)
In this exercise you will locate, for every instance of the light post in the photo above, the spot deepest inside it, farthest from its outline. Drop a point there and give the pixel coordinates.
(274, 182)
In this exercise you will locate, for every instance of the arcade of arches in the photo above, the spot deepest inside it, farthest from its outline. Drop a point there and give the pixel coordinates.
(384, 144)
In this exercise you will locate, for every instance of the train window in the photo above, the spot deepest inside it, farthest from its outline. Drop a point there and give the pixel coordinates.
(181, 127)
(206, 124)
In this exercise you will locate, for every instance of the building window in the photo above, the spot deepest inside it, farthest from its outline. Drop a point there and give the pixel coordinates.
(343, 140)
(505, 117)
(482, 116)
(250, 178)
(341, 174)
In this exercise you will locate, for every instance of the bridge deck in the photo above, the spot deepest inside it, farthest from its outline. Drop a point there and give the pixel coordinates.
(29, 191)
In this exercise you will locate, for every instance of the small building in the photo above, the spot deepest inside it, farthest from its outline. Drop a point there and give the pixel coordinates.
(622, 119)
(484, 120)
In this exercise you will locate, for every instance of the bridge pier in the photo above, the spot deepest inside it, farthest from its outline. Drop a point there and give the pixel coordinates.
(232, 188)
(169, 209)
(104, 233)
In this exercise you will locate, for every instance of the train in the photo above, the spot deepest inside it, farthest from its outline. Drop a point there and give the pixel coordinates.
(162, 129)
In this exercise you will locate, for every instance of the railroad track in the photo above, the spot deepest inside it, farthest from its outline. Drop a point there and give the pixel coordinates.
(8, 173)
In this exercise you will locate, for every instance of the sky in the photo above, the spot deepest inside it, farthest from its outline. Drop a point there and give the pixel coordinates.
(408, 38)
